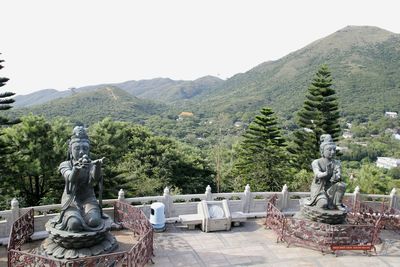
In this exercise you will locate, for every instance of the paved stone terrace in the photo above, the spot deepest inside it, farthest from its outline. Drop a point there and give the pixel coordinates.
(248, 245)
(253, 245)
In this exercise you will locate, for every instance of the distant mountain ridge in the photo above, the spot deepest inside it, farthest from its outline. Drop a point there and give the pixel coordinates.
(365, 66)
(160, 89)
(91, 106)
(39, 97)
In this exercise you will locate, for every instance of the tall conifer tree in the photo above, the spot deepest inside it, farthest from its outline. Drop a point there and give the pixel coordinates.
(319, 115)
(5, 101)
(262, 154)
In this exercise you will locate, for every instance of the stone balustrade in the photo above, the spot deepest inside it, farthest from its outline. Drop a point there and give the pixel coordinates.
(252, 204)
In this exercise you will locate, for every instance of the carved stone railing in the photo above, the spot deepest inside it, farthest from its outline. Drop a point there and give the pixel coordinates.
(126, 215)
(252, 204)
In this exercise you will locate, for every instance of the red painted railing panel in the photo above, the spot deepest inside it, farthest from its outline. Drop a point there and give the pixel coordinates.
(128, 216)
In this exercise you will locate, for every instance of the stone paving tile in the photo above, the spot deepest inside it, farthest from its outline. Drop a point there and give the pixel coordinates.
(3, 256)
(391, 261)
(218, 263)
(162, 261)
(297, 263)
(238, 260)
(352, 261)
(210, 257)
(185, 259)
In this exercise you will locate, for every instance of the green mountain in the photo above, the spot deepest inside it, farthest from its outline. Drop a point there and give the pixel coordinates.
(167, 90)
(162, 89)
(91, 106)
(365, 65)
(39, 97)
(364, 61)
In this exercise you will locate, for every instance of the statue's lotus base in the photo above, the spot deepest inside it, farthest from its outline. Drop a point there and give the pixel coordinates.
(322, 215)
(52, 249)
(68, 245)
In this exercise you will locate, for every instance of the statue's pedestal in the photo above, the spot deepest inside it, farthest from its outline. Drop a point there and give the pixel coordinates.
(68, 245)
(322, 215)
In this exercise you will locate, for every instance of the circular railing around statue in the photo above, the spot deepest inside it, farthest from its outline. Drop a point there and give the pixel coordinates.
(126, 215)
(360, 232)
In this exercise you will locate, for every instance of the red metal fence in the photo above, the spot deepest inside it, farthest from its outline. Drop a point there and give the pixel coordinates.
(361, 234)
(21, 230)
(367, 212)
(128, 216)
(134, 219)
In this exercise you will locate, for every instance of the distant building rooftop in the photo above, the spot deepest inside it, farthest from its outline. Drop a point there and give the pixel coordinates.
(347, 134)
(387, 163)
(186, 114)
(391, 114)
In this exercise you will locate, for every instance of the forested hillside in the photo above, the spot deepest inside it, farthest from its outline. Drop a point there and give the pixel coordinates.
(365, 66)
(91, 107)
(160, 89)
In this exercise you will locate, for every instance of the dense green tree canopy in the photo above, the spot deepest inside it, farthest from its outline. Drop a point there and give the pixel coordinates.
(36, 150)
(136, 160)
(143, 163)
(262, 159)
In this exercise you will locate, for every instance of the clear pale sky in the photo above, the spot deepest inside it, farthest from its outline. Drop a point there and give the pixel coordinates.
(62, 44)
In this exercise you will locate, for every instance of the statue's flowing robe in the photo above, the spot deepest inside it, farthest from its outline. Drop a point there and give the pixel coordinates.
(78, 199)
(324, 188)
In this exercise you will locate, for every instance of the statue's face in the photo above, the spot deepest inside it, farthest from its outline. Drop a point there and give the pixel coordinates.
(79, 149)
(329, 151)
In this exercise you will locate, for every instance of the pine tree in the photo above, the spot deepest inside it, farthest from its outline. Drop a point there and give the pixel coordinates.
(5, 101)
(261, 156)
(319, 115)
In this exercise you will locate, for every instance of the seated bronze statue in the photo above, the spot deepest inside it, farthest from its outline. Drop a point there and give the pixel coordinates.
(81, 229)
(327, 189)
(80, 210)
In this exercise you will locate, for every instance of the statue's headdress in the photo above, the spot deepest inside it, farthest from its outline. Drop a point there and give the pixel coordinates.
(325, 139)
(79, 134)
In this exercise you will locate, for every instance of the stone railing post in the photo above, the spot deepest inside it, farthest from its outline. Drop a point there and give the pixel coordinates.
(167, 200)
(356, 197)
(208, 193)
(393, 199)
(285, 198)
(14, 210)
(246, 201)
(121, 195)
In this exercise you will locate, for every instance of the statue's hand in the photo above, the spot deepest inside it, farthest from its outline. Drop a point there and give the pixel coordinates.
(335, 178)
(330, 168)
(77, 166)
(99, 162)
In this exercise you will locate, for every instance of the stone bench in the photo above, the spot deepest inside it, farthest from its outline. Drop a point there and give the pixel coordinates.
(238, 217)
(191, 220)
